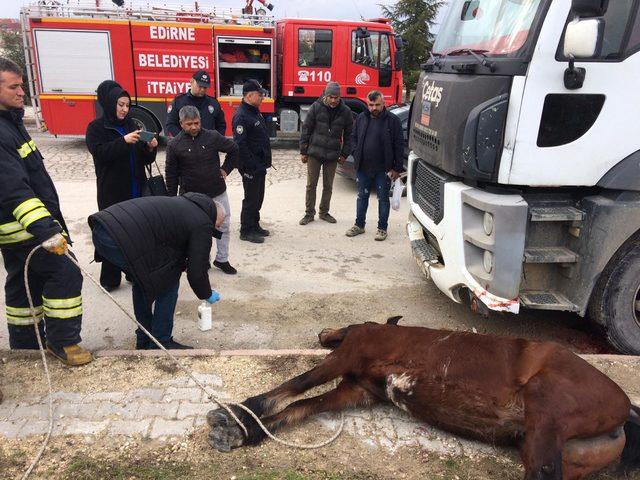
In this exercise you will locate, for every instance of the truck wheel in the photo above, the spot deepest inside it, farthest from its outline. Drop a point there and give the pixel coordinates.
(615, 302)
(145, 120)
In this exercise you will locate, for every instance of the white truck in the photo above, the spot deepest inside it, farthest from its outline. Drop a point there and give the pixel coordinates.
(524, 171)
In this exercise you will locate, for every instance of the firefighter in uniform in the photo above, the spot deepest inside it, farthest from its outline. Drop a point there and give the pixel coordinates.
(211, 114)
(251, 134)
(30, 215)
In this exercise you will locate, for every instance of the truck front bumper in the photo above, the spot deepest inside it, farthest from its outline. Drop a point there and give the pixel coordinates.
(450, 241)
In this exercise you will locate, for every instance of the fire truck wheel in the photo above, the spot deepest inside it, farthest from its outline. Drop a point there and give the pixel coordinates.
(615, 302)
(145, 120)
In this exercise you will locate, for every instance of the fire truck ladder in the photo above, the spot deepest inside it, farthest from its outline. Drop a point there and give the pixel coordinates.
(29, 67)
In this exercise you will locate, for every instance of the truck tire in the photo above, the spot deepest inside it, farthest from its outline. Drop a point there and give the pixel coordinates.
(615, 303)
(145, 120)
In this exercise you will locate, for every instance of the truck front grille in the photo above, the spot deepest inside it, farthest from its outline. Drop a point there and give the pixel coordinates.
(428, 191)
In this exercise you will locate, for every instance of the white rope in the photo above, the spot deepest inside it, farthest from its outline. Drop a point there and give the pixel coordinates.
(210, 396)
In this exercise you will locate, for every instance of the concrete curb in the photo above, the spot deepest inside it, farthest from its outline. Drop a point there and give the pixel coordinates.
(196, 353)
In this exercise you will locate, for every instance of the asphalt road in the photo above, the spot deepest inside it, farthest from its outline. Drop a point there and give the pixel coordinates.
(302, 279)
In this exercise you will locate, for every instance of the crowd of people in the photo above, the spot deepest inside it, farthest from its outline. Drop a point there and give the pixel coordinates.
(153, 238)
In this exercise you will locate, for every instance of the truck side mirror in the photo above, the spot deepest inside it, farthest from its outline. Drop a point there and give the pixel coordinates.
(399, 63)
(583, 38)
(400, 42)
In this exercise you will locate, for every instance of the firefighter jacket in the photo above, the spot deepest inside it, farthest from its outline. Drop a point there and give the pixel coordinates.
(160, 237)
(326, 132)
(211, 114)
(29, 204)
(251, 134)
(193, 163)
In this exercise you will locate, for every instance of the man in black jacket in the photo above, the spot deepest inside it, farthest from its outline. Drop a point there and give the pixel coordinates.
(193, 163)
(30, 215)
(211, 113)
(251, 135)
(154, 239)
(325, 140)
(378, 155)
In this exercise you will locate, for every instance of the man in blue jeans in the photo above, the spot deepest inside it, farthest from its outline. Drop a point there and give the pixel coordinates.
(154, 239)
(378, 153)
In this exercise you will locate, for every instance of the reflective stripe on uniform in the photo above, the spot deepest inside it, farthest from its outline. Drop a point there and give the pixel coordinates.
(13, 232)
(30, 211)
(27, 148)
(62, 307)
(21, 316)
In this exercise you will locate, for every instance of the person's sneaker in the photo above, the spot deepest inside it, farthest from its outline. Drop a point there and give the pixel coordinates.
(381, 235)
(71, 355)
(110, 288)
(251, 237)
(306, 219)
(143, 345)
(170, 345)
(225, 267)
(327, 217)
(262, 231)
(355, 230)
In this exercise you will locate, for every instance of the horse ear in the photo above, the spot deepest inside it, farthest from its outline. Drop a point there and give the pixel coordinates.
(393, 320)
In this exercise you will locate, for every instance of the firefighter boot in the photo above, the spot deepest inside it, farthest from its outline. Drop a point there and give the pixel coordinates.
(71, 355)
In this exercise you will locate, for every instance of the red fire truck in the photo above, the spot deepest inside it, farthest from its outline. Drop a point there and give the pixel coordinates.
(152, 52)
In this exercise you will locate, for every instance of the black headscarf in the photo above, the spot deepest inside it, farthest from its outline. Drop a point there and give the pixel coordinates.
(108, 94)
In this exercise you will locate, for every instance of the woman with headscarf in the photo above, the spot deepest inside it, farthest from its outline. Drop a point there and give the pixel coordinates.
(119, 157)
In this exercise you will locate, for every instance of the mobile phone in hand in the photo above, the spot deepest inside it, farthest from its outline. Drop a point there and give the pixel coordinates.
(147, 136)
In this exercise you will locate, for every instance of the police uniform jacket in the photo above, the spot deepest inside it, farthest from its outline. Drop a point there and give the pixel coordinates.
(251, 135)
(193, 163)
(160, 237)
(29, 205)
(211, 114)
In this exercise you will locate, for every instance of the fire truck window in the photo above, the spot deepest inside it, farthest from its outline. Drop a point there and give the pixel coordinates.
(385, 52)
(616, 20)
(314, 47)
(365, 50)
(634, 38)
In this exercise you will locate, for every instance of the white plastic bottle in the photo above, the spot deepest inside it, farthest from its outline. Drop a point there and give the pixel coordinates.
(204, 316)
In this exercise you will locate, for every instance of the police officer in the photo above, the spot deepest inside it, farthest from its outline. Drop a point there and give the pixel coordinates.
(30, 215)
(251, 135)
(211, 114)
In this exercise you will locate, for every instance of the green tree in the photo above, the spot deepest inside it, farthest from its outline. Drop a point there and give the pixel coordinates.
(413, 20)
(12, 47)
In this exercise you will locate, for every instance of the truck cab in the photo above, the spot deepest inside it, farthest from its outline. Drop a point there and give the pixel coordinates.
(524, 171)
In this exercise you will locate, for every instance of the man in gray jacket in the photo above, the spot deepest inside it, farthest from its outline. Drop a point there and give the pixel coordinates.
(324, 141)
(193, 164)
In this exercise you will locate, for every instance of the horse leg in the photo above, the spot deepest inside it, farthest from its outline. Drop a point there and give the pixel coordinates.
(348, 394)
(228, 433)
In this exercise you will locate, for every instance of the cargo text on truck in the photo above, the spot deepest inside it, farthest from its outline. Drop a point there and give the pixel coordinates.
(153, 51)
(524, 177)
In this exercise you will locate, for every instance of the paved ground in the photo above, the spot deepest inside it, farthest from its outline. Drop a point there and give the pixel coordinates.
(301, 280)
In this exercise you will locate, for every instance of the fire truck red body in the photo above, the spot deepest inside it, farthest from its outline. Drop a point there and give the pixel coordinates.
(152, 53)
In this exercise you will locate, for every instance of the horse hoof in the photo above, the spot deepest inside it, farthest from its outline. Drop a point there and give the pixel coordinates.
(218, 418)
(224, 439)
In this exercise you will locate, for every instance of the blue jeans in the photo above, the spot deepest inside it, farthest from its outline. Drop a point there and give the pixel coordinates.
(159, 321)
(381, 181)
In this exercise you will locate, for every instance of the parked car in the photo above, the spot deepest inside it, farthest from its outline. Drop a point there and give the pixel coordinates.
(402, 111)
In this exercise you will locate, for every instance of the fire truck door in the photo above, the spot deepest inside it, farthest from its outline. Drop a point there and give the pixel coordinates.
(363, 72)
(314, 60)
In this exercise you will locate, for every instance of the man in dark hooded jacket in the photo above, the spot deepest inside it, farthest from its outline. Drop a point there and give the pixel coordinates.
(119, 158)
(324, 141)
(154, 239)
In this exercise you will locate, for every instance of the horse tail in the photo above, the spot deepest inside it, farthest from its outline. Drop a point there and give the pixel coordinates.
(631, 452)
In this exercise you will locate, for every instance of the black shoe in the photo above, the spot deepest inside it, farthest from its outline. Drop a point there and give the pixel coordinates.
(110, 288)
(225, 267)
(306, 219)
(327, 217)
(261, 231)
(143, 345)
(170, 345)
(252, 237)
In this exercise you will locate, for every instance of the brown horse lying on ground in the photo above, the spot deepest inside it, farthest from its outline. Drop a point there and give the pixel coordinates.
(567, 417)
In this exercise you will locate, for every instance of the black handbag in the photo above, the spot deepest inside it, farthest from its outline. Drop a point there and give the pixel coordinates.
(155, 186)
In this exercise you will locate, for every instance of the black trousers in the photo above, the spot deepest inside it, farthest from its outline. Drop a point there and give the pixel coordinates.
(110, 275)
(252, 202)
(56, 286)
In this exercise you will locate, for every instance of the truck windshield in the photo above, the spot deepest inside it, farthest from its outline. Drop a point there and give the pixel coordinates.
(494, 27)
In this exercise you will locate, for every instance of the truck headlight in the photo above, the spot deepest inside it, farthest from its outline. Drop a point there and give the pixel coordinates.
(487, 223)
(487, 261)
